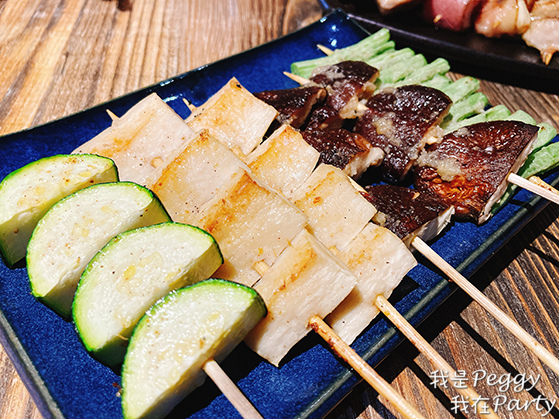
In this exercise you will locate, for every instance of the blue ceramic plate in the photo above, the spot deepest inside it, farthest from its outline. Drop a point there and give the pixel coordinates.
(66, 382)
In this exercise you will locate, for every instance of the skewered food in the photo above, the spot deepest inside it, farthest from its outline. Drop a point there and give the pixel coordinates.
(456, 15)
(375, 255)
(346, 82)
(27, 193)
(132, 272)
(305, 280)
(207, 164)
(180, 334)
(284, 161)
(251, 223)
(144, 142)
(337, 211)
(537, 21)
(469, 167)
(380, 261)
(75, 228)
(293, 105)
(543, 32)
(401, 122)
(235, 117)
(344, 149)
(409, 213)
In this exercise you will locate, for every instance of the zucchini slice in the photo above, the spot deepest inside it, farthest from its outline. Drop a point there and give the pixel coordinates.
(28, 192)
(130, 274)
(76, 228)
(177, 336)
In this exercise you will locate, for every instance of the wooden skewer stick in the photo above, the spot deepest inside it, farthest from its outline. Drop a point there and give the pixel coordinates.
(296, 78)
(433, 356)
(545, 356)
(345, 352)
(190, 105)
(537, 186)
(325, 50)
(112, 115)
(538, 181)
(230, 390)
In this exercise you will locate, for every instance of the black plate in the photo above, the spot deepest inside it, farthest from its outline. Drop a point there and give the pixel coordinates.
(505, 60)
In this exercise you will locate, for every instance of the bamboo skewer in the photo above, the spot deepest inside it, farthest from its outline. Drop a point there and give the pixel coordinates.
(346, 353)
(189, 105)
(324, 49)
(433, 356)
(230, 390)
(111, 115)
(545, 356)
(535, 185)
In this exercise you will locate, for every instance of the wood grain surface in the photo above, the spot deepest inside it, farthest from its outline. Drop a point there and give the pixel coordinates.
(59, 57)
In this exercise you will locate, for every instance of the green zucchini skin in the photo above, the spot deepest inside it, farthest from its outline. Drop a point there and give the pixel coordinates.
(177, 336)
(27, 193)
(76, 228)
(128, 275)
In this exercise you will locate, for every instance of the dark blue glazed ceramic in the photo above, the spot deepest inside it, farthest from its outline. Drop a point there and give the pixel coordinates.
(66, 382)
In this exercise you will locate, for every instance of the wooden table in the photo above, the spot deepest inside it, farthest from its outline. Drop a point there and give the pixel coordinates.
(60, 57)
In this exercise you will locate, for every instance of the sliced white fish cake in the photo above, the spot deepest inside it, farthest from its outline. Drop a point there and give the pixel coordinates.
(336, 209)
(74, 229)
(195, 176)
(132, 272)
(251, 223)
(235, 117)
(284, 161)
(143, 141)
(177, 336)
(380, 260)
(306, 280)
(26, 194)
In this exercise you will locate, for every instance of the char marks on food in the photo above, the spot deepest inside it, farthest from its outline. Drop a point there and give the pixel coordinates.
(469, 167)
(402, 210)
(293, 105)
(400, 121)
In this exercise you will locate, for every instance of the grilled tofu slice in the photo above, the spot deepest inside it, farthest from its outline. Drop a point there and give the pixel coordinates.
(143, 141)
(251, 223)
(306, 280)
(195, 176)
(337, 211)
(235, 117)
(379, 260)
(284, 161)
